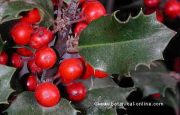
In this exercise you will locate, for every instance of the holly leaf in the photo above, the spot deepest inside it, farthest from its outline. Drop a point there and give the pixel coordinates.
(102, 95)
(26, 103)
(172, 99)
(117, 47)
(10, 10)
(6, 74)
(153, 78)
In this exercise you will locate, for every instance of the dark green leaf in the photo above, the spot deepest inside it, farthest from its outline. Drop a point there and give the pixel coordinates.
(117, 47)
(5, 78)
(26, 104)
(153, 78)
(11, 10)
(104, 91)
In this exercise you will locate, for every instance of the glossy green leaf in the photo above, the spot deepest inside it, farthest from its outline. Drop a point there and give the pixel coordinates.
(117, 47)
(10, 10)
(5, 78)
(25, 103)
(102, 95)
(153, 78)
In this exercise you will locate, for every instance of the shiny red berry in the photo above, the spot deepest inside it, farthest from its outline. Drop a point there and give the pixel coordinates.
(172, 9)
(151, 3)
(24, 52)
(79, 27)
(3, 58)
(159, 16)
(93, 10)
(21, 33)
(32, 17)
(76, 92)
(47, 94)
(89, 71)
(70, 69)
(100, 74)
(33, 68)
(156, 96)
(81, 1)
(45, 58)
(16, 60)
(55, 2)
(41, 37)
(31, 83)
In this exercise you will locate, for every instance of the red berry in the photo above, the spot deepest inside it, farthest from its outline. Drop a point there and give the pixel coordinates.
(24, 52)
(41, 38)
(32, 17)
(70, 69)
(156, 96)
(172, 9)
(31, 83)
(47, 94)
(45, 58)
(76, 92)
(93, 10)
(159, 16)
(79, 27)
(55, 2)
(81, 1)
(21, 33)
(16, 60)
(152, 3)
(176, 66)
(3, 58)
(100, 74)
(33, 68)
(89, 71)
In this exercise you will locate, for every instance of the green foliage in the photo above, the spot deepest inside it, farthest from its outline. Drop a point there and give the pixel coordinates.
(117, 47)
(10, 10)
(26, 103)
(5, 78)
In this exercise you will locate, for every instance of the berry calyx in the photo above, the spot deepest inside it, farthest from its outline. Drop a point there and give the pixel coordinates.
(70, 69)
(152, 3)
(16, 60)
(31, 83)
(45, 58)
(79, 27)
(76, 92)
(93, 10)
(32, 17)
(89, 71)
(100, 74)
(41, 37)
(24, 52)
(47, 94)
(21, 33)
(33, 68)
(3, 58)
(172, 9)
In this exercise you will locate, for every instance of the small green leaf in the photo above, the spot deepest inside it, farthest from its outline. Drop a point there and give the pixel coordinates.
(153, 78)
(11, 10)
(6, 74)
(117, 47)
(26, 104)
(102, 95)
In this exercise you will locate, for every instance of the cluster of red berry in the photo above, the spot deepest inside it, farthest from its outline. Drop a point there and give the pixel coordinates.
(169, 9)
(33, 42)
(92, 10)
